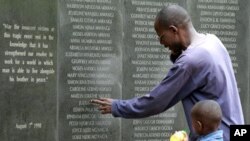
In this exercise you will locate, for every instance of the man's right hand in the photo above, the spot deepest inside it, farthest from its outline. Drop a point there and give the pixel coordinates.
(104, 104)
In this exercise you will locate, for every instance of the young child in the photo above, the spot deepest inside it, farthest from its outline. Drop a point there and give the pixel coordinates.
(206, 117)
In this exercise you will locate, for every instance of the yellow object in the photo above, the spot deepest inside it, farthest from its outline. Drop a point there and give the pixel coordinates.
(179, 136)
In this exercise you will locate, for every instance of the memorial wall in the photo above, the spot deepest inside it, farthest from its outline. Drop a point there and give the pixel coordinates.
(90, 43)
(57, 55)
(28, 66)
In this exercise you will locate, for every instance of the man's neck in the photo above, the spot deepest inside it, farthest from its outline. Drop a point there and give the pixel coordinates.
(194, 35)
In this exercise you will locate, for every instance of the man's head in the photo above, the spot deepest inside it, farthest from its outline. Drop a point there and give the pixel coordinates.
(206, 116)
(171, 25)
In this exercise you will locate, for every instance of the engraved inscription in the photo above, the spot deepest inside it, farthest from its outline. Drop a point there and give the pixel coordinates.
(27, 55)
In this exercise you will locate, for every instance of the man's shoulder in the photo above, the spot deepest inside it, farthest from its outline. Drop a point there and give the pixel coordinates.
(212, 36)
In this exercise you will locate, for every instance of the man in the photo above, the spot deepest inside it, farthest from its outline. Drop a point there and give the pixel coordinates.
(202, 70)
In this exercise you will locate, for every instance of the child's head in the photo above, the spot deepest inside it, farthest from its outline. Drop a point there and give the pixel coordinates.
(206, 116)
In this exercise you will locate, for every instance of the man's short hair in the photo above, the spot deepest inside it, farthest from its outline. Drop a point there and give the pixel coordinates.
(172, 15)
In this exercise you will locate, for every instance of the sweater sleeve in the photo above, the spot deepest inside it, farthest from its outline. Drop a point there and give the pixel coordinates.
(173, 88)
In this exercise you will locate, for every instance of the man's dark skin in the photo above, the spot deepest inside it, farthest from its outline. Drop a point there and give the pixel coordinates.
(175, 32)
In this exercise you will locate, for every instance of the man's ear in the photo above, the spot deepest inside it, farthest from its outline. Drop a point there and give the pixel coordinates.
(173, 28)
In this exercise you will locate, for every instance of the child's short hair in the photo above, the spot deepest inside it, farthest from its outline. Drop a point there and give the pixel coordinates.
(208, 112)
